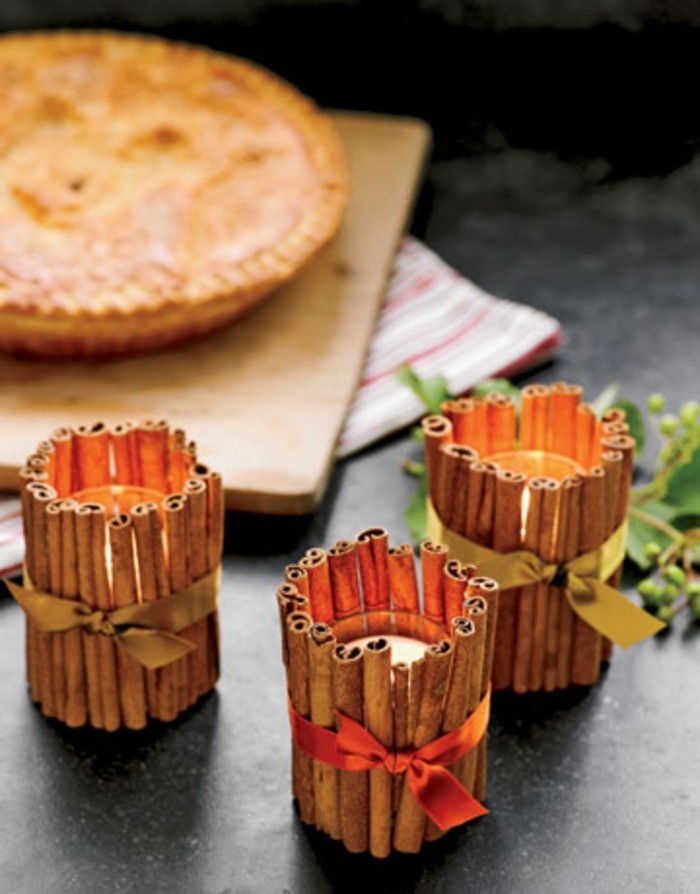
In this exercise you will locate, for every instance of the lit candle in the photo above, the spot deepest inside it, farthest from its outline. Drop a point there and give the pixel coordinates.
(404, 649)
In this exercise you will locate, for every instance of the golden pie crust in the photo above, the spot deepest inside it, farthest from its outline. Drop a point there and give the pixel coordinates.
(151, 191)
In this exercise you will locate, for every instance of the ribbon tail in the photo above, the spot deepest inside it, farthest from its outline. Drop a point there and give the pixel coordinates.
(610, 613)
(152, 648)
(443, 798)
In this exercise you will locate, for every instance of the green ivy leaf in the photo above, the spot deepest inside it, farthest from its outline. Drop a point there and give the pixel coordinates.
(502, 386)
(683, 486)
(660, 510)
(605, 399)
(639, 533)
(416, 514)
(432, 391)
(635, 420)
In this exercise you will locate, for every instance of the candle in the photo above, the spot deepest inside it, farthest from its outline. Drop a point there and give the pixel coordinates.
(404, 649)
(116, 518)
(554, 483)
(409, 672)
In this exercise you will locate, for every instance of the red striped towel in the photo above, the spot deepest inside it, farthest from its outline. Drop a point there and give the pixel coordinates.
(433, 319)
(440, 323)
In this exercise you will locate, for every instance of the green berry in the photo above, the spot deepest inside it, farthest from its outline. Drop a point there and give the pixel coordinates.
(668, 425)
(692, 590)
(667, 453)
(695, 608)
(656, 403)
(652, 551)
(650, 592)
(674, 575)
(689, 412)
(666, 614)
(669, 594)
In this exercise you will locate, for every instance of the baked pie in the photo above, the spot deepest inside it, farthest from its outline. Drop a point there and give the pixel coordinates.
(151, 191)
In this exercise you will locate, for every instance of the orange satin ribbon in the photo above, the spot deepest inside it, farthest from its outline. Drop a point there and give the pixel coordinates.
(439, 793)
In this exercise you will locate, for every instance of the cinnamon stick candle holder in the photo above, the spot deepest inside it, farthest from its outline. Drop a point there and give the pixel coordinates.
(388, 691)
(124, 534)
(541, 504)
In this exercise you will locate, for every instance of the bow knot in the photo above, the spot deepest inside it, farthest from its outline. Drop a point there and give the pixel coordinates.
(582, 580)
(560, 577)
(147, 631)
(354, 748)
(99, 622)
(398, 762)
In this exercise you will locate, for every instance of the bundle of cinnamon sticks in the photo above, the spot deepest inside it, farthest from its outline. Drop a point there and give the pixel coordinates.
(555, 483)
(340, 610)
(112, 517)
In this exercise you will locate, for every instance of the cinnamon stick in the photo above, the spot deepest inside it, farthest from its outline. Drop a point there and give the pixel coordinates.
(402, 678)
(198, 565)
(545, 549)
(153, 579)
(91, 456)
(298, 626)
(437, 431)
(525, 621)
(379, 719)
(57, 674)
(353, 786)
(453, 486)
(316, 564)
(39, 643)
(326, 806)
(457, 695)
(342, 565)
(174, 695)
(152, 449)
(565, 399)
(433, 557)
(372, 556)
(72, 640)
(572, 486)
(461, 414)
(410, 819)
(556, 600)
(62, 439)
(132, 683)
(122, 439)
(500, 421)
(486, 591)
(587, 643)
(402, 579)
(479, 422)
(534, 417)
(469, 633)
(507, 534)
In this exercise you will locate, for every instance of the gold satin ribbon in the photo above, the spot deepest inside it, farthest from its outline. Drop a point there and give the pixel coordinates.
(146, 631)
(582, 580)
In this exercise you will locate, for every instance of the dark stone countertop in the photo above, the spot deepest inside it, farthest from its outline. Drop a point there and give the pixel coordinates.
(589, 790)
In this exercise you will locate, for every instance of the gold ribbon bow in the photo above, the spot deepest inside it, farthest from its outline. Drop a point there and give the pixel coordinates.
(146, 631)
(582, 580)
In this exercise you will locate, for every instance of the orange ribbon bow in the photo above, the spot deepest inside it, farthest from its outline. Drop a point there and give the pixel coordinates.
(439, 793)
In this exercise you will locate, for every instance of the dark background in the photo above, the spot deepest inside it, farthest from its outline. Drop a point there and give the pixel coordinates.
(564, 175)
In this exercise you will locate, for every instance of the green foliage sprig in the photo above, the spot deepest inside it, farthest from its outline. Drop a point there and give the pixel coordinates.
(663, 537)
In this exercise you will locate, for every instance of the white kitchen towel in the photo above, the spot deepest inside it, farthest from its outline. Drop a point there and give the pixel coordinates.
(433, 319)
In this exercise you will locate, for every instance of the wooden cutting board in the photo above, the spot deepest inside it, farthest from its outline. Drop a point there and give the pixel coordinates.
(266, 398)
